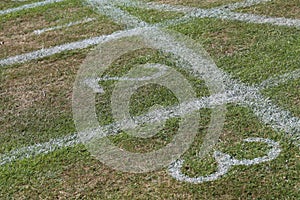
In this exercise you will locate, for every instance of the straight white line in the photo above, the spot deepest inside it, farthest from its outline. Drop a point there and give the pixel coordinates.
(220, 13)
(38, 149)
(243, 4)
(182, 8)
(40, 31)
(227, 15)
(42, 53)
(107, 8)
(276, 81)
(28, 6)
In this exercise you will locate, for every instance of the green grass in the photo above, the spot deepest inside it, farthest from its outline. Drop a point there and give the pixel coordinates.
(72, 172)
(36, 106)
(286, 96)
(276, 8)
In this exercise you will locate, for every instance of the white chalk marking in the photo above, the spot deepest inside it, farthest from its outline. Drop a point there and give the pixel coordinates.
(28, 6)
(243, 4)
(276, 81)
(93, 82)
(42, 53)
(185, 9)
(225, 162)
(107, 8)
(227, 15)
(38, 149)
(40, 31)
(220, 13)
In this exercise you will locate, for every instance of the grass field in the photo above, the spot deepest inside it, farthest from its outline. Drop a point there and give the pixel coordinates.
(256, 43)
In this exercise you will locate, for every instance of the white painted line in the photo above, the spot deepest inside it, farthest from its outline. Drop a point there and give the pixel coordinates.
(186, 9)
(42, 53)
(243, 4)
(220, 13)
(40, 31)
(270, 114)
(227, 15)
(276, 81)
(93, 82)
(28, 6)
(107, 8)
(38, 149)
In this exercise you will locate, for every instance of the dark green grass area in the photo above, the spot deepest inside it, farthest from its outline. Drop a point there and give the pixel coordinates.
(287, 96)
(73, 173)
(276, 8)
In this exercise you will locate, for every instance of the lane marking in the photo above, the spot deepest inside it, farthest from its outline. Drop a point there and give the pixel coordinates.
(85, 20)
(278, 80)
(182, 8)
(242, 4)
(28, 6)
(38, 149)
(42, 53)
(220, 12)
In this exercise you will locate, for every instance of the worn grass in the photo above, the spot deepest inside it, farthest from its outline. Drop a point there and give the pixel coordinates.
(277, 8)
(35, 106)
(17, 30)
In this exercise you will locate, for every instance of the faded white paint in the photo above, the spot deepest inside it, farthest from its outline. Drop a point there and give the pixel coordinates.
(28, 6)
(40, 31)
